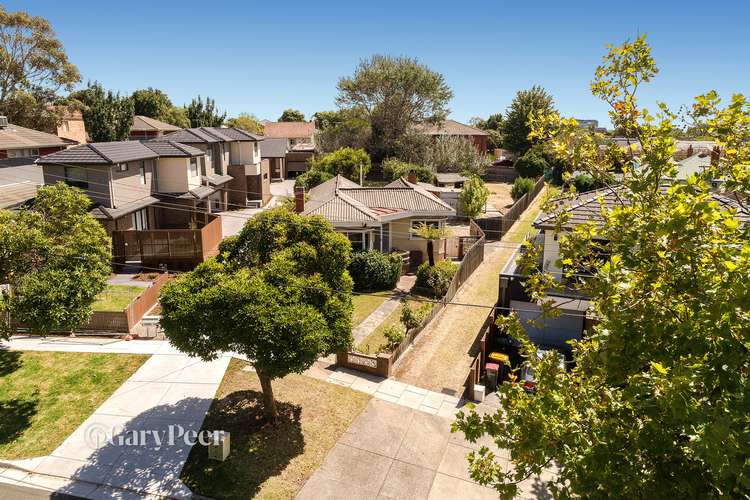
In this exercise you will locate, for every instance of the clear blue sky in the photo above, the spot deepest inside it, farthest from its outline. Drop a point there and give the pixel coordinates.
(263, 57)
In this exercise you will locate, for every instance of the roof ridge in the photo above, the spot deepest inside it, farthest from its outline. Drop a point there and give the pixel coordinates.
(96, 150)
(356, 204)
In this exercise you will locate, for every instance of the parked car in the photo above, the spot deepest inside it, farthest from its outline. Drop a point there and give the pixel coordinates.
(527, 378)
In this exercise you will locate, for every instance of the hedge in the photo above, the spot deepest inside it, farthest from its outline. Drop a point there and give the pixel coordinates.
(372, 270)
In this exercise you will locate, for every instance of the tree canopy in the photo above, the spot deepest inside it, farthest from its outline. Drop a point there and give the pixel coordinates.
(657, 402)
(516, 126)
(493, 125)
(394, 93)
(473, 196)
(342, 128)
(204, 113)
(55, 257)
(107, 115)
(246, 121)
(349, 162)
(33, 68)
(151, 102)
(292, 115)
(279, 294)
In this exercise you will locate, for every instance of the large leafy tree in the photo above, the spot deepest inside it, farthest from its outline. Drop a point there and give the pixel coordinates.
(516, 127)
(55, 258)
(493, 125)
(204, 113)
(279, 294)
(151, 102)
(394, 93)
(107, 115)
(33, 68)
(246, 121)
(455, 154)
(347, 127)
(292, 115)
(349, 162)
(473, 196)
(657, 405)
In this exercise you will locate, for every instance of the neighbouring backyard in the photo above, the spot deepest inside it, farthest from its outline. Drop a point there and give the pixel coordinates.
(45, 396)
(365, 304)
(116, 297)
(443, 352)
(270, 461)
(500, 197)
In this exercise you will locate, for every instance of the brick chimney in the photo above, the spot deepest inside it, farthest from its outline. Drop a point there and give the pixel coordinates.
(412, 177)
(299, 199)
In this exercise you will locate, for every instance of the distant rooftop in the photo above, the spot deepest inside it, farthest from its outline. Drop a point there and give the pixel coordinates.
(17, 137)
(289, 130)
(449, 127)
(148, 124)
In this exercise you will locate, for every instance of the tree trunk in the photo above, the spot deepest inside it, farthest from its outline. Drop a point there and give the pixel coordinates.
(430, 253)
(269, 404)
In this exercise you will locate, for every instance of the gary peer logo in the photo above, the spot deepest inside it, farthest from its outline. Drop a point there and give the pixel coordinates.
(98, 435)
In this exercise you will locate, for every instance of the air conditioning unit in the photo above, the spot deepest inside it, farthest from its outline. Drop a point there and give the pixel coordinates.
(218, 449)
(3, 121)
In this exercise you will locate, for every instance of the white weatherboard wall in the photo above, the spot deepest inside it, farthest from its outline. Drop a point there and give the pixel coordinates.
(173, 175)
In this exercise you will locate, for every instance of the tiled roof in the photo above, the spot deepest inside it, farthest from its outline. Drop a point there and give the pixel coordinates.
(15, 137)
(449, 127)
(586, 207)
(233, 133)
(148, 124)
(164, 147)
(273, 148)
(100, 153)
(210, 135)
(288, 130)
(450, 177)
(102, 212)
(340, 208)
(192, 136)
(693, 165)
(217, 179)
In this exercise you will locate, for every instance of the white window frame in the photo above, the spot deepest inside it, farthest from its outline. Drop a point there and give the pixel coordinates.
(140, 219)
(417, 222)
(142, 172)
(122, 167)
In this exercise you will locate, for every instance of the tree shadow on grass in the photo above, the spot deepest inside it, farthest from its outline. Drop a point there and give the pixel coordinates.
(258, 450)
(15, 417)
(10, 361)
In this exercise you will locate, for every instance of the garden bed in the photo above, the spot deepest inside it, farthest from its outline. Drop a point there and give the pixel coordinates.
(270, 461)
(45, 396)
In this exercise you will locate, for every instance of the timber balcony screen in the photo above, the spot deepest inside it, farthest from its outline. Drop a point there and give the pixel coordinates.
(175, 248)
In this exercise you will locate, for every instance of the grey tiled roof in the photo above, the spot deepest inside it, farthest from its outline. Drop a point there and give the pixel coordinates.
(100, 153)
(172, 149)
(342, 209)
(586, 207)
(102, 212)
(191, 136)
(217, 179)
(233, 133)
(210, 135)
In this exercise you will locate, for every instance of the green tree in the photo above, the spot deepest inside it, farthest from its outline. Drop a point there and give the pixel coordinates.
(204, 113)
(349, 162)
(473, 196)
(177, 116)
(431, 233)
(312, 178)
(532, 164)
(33, 68)
(55, 257)
(657, 404)
(516, 127)
(247, 122)
(395, 93)
(493, 125)
(521, 186)
(151, 102)
(279, 294)
(456, 154)
(107, 116)
(292, 115)
(394, 169)
(340, 129)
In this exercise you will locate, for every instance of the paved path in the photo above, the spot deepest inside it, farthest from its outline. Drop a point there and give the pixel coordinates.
(168, 395)
(441, 356)
(394, 452)
(371, 322)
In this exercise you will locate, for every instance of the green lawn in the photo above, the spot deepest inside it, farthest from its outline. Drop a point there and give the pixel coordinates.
(45, 396)
(116, 297)
(364, 305)
(270, 461)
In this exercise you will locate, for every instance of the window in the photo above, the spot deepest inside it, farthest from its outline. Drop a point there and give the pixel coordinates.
(140, 219)
(203, 165)
(22, 153)
(76, 177)
(194, 166)
(122, 167)
(142, 172)
(416, 223)
(360, 240)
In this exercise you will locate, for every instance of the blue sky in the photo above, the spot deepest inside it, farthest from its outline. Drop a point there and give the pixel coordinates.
(263, 57)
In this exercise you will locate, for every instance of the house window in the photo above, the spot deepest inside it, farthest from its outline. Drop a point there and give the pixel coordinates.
(22, 153)
(76, 177)
(142, 172)
(194, 167)
(140, 219)
(360, 240)
(416, 223)
(122, 167)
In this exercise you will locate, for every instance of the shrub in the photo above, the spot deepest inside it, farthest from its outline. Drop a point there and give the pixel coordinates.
(437, 278)
(584, 182)
(521, 186)
(344, 161)
(532, 164)
(473, 196)
(372, 270)
(412, 318)
(394, 335)
(394, 168)
(312, 178)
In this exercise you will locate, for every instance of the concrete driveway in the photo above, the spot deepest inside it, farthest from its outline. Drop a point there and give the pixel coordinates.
(394, 452)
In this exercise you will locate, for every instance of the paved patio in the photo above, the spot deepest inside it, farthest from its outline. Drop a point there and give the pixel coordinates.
(393, 452)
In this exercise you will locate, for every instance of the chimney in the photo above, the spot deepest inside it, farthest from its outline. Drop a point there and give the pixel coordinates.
(412, 177)
(689, 151)
(299, 199)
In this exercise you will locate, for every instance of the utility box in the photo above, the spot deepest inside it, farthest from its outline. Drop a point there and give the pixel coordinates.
(478, 393)
(219, 447)
(491, 372)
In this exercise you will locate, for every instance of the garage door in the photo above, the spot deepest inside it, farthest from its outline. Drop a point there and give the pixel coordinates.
(552, 332)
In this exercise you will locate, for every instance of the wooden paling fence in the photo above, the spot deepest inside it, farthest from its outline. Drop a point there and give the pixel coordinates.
(382, 364)
(495, 227)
